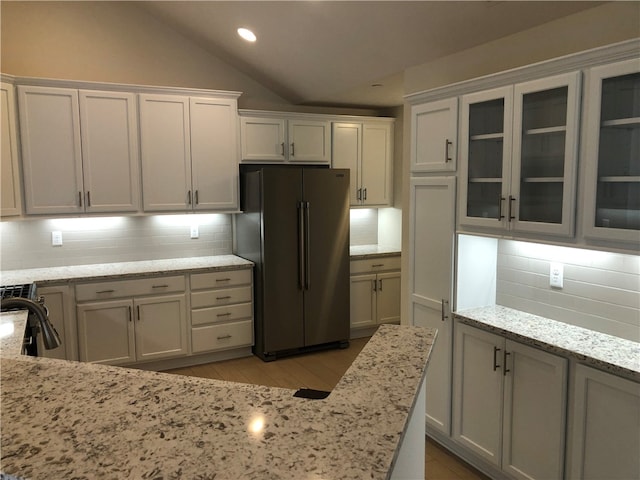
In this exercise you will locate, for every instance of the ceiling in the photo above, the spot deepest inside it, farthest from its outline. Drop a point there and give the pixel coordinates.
(331, 52)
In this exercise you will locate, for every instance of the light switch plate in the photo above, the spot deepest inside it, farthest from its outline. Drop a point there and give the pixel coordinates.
(194, 231)
(56, 238)
(556, 275)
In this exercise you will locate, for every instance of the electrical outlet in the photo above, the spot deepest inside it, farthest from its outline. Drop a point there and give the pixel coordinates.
(556, 274)
(56, 238)
(194, 231)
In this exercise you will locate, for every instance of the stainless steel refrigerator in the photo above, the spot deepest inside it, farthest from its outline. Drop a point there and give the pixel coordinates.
(295, 228)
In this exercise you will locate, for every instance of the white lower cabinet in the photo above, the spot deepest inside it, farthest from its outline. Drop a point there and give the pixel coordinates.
(130, 329)
(221, 310)
(604, 439)
(375, 292)
(59, 303)
(509, 404)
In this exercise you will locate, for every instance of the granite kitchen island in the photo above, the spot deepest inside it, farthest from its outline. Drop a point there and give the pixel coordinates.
(64, 419)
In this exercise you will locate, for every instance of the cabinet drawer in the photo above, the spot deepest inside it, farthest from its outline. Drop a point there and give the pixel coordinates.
(221, 337)
(129, 288)
(203, 316)
(375, 264)
(220, 279)
(214, 298)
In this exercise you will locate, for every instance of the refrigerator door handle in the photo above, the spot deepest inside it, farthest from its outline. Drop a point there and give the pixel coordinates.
(307, 248)
(301, 245)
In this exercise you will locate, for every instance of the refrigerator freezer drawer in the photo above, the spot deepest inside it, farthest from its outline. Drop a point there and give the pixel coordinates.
(227, 296)
(221, 279)
(203, 316)
(222, 337)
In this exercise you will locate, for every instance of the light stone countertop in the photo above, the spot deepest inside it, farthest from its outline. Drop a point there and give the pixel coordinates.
(605, 352)
(121, 269)
(12, 326)
(64, 419)
(359, 252)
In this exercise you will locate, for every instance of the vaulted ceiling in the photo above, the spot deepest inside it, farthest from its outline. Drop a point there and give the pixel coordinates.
(347, 52)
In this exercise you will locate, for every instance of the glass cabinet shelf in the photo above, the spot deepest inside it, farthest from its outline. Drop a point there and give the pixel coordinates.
(487, 136)
(620, 179)
(543, 180)
(546, 130)
(485, 180)
(632, 122)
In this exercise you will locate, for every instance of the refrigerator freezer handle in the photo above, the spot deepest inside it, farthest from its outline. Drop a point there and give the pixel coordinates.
(307, 248)
(301, 245)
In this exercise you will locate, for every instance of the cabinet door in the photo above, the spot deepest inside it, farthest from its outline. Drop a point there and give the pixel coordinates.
(106, 332)
(376, 164)
(263, 139)
(477, 392)
(214, 162)
(309, 141)
(544, 160)
(363, 301)
(431, 247)
(534, 413)
(165, 148)
(347, 153)
(11, 198)
(51, 153)
(433, 136)
(58, 302)
(612, 153)
(485, 168)
(110, 151)
(388, 298)
(605, 438)
(161, 327)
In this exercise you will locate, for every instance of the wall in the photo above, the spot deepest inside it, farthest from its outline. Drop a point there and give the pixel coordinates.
(601, 290)
(113, 42)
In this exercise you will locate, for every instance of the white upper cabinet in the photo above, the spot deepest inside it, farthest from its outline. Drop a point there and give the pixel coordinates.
(280, 140)
(51, 151)
(214, 153)
(367, 150)
(519, 156)
(109, 135)
(9, 175)
(434, 129)
(612, 153)
(188, 147)
(82, 142)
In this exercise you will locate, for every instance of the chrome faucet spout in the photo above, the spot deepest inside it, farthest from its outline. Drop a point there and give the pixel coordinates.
(50, 336)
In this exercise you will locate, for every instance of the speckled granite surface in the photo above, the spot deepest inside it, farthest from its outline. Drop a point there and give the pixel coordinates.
(76, 420)
(12, 325)
(116, 270)
(606, 352)
(359, 252)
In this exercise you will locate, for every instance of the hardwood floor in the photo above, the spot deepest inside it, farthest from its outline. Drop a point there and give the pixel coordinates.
(322, 371)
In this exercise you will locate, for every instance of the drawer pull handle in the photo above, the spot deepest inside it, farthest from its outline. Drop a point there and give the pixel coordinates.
(495, 358)
(223, 314)
(222, 279)
(505, 370)
(104, 291)
(224, 298)
(224, 337)
(159, 286)
(375, 265)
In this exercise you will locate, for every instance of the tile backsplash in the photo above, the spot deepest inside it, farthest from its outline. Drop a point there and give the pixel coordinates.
(601, 290)
(87, 240)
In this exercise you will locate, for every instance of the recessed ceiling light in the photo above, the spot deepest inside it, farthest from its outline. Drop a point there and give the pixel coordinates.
(247, 34)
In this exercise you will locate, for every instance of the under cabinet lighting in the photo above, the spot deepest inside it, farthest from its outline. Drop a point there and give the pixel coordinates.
(85, 224)
(247, 34)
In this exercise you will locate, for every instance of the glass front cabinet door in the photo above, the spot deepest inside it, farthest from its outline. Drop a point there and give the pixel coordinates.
(519, 149)
(612, 153)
